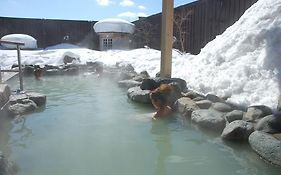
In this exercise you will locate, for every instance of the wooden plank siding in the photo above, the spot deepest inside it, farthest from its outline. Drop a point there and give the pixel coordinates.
(50, 32)
(209, 19)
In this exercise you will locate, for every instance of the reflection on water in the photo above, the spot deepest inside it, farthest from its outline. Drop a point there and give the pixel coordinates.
(161, 137)
(90, 127)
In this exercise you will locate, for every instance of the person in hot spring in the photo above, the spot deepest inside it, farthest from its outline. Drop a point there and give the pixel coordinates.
(37, 72)
(159, 99)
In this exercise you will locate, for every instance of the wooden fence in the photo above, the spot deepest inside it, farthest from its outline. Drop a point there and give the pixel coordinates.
(50, 32)
(209, 19)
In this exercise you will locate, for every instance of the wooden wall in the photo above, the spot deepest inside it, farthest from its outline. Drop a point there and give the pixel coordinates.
(209, 19)
(51, 32)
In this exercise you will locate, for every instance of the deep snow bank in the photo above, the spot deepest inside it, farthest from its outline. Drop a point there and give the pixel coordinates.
(244, 62)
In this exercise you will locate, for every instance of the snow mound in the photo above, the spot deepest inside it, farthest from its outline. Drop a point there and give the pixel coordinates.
(62, 46)
(244, 63)
(29, 41)
(114, 25)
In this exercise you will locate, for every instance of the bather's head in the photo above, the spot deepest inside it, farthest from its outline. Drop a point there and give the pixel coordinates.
(159, 96)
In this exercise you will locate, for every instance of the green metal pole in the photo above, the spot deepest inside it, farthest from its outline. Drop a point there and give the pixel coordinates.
(20, 69)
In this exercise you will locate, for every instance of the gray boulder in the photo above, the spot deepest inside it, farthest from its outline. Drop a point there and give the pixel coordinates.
(26, 106)
(270, 124)
(222, 107)
(5, 93)
(7, 167)
(38, 98)
(234, 115)
(214, 98)
(149, 84)
(181, 83)
(128, 83)
(257, 112)
(51, 72)
(192, 95)
(199, 98)
(267, 146)
(279, 103)
(204, 104)
(186, 106)
(142, 75)
(209, 119)
(126, 75)
(138, 95)
(237, 130)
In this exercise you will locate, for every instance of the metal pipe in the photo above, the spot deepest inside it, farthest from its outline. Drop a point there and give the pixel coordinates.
(20, 69)
(0, 75)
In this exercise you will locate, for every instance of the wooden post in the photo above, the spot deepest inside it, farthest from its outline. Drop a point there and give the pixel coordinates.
(20, 69)
(167, 38)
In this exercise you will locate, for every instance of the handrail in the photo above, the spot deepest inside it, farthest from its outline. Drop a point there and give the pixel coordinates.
(11, 42)
(19, 59)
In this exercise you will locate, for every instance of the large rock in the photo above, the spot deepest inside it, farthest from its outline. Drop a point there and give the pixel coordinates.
(267, 146)
(186, 106)
(214, 98)
(257, 112)
(209, 119)
(270, 124)
(138, 95)
(192, 95)
(234, 115)
(24, 107)
(38, 98)
(142, 75)
(222, 107)
(126, 75)
(237, 130)
(279, 103)
(128, 83)
(5, 93)
(204, 104)
(149, 84)
(180, 82)
(7, 167)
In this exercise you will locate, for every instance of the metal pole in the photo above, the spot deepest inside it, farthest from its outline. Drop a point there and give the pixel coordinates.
(0, 75)
(20, 69)
(167, 38)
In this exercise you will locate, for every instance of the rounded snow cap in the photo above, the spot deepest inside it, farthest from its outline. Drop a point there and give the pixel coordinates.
(114, 25)
(29, 41)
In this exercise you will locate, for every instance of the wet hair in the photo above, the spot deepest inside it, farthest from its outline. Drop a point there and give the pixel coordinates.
(161, 93)
(158, 96)
(165, 89)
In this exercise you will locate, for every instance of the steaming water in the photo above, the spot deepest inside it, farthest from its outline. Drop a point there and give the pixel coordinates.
(90, 127)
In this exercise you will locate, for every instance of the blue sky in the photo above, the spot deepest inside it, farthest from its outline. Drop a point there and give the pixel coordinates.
(82, 9)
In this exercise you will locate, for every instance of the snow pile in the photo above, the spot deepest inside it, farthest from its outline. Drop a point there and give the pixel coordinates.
(244, 62)
(29, 41)
(62, 46)
(114, 25)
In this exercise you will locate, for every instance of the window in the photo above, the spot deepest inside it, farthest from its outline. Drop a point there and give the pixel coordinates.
(107, 43)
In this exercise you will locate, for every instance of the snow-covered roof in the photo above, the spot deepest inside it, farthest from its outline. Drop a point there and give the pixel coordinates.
(114, 25)
(29, 41)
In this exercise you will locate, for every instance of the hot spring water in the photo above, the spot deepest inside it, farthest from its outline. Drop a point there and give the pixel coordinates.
(90, 127)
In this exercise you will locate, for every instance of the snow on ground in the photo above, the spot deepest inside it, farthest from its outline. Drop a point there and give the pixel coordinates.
(244, 63)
